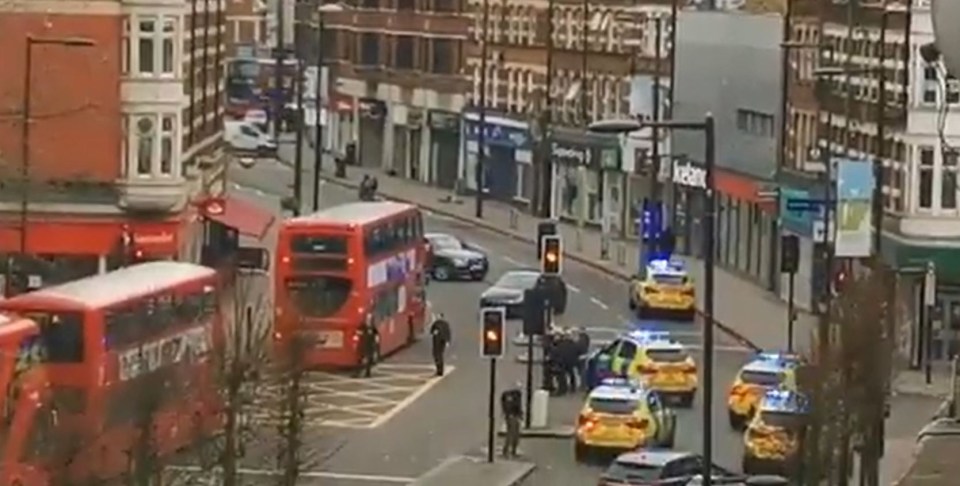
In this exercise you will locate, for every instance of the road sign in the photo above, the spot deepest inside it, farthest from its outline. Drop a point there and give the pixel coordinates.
(804, 205)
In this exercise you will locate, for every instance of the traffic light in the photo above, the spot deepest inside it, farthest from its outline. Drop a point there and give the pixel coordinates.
(544, 229)
(534, 319)
(492, 320)
(789, 253)
(551, 262)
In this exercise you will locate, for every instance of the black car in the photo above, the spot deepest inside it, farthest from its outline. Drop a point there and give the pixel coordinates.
(650, 466)
(508, 291)
(452, 258)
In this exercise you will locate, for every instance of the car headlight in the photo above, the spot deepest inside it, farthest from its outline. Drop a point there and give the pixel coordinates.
(459, 262)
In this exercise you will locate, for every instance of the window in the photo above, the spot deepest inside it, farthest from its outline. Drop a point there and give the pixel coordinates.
(406, 5)
(443, 57)
(167, 134)
(444, 6)
(369, 49)
(145, 135)
(62, 335)
(386, 303)
(953, 90)
(929, 86)
(142, 322)
(627, 350)
(404, 57)
(755, 123)
(925, 191)
(370, 4)
(762, 378)
(614, 406)
(667, 355)
(393, 236)
(318, 296)
(155, 40)
(948, 180)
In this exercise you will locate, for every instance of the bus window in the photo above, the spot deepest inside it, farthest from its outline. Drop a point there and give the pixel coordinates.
(319, 296)
(62, 335)
(319, 245)
(386, 303)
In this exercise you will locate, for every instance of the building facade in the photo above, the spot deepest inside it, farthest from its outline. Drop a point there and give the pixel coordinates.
(399, 85)
(728, 64)
(125, 129)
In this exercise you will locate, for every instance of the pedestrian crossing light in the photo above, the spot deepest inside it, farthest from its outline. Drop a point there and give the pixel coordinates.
(492, 321)
(551, 262)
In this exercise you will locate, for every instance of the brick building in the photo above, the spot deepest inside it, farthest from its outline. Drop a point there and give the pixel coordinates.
(124, 134)
(399, 84)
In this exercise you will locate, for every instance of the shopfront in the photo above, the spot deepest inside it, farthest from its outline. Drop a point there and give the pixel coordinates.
(371, 115)
(809, 227)
(508, 161)
(745, 234)
(444, 148)
(587, 178)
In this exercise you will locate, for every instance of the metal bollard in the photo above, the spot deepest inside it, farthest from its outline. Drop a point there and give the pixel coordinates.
(604, 247)
(514, 218)
(579, 240)
(621, 254)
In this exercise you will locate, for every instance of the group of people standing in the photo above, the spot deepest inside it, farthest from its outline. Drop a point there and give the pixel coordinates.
(563, 354)
(368, 188)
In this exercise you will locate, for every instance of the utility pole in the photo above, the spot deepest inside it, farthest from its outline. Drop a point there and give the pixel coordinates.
(301, 119)
(655, 129)
(318, 106)
(546, 162)
(278, 56)
(482, 132)
(584, 49)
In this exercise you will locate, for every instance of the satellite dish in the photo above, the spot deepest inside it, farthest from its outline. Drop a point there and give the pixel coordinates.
(946, 18)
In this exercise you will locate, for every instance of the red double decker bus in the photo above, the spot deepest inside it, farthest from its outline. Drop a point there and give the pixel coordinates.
(123, 352)
(337, 266)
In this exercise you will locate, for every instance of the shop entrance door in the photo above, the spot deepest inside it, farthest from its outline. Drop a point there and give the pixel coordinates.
(946, 327)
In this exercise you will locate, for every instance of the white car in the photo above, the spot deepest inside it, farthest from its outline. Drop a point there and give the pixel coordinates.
(247, 138)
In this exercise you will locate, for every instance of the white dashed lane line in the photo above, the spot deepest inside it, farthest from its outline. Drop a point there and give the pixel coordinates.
(513, 261)
(573, 289)
(599, 303)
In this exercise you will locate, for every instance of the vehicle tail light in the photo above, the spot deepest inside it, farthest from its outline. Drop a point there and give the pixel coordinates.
(638, 424)
(738, 391)
(687, 292)
(586, 420)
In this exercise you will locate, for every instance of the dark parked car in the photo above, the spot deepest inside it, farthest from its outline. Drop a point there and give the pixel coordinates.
(453, 258)
(508, 290)
(649, 467)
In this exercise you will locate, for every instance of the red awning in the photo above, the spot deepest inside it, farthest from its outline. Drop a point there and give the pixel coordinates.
(246, 217)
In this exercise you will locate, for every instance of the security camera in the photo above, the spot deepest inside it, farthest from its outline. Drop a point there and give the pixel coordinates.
(930, 53)
(946, 18)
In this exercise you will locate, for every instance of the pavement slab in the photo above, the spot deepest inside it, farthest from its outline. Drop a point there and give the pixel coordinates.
(472, 471)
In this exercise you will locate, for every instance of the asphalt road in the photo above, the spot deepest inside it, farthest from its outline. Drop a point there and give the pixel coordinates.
(447, 416)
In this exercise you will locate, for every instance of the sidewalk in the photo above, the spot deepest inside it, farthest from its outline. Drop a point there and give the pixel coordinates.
(749, 313)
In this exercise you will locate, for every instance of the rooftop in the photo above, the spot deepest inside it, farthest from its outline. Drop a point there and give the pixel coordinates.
(352, 213)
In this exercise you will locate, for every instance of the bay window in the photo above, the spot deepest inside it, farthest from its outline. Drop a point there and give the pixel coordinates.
(925, 191)
(151, 144)
(150, 47)
(948, 180)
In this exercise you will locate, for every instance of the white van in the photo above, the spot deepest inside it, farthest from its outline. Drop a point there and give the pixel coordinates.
(247, 137)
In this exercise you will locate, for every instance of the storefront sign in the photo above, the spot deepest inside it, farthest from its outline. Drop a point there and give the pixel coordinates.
(440, 120)
(689, 175)
(570, 155)
(494, 134)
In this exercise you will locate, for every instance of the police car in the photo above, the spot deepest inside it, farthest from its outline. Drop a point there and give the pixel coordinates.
(622, 415)
(772, 439)
(664, 289)
(766, 371)
(648, 357)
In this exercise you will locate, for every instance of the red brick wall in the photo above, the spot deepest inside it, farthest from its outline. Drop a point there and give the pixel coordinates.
(75, 96)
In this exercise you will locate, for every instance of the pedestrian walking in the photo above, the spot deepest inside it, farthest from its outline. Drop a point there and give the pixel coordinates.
(440, 337)
(569, 362)
(369, 341)
(511, 406)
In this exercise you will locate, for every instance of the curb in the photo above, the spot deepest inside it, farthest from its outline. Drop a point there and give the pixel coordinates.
(561, 432)
(532, 241)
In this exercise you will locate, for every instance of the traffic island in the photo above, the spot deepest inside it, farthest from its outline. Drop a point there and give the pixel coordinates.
(472, 471)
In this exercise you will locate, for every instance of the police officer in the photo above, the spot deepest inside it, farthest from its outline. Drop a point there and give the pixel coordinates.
(569, 361)
(369, 344)
(583, 349)
(548, 346)
(511, 405)
(440, 337)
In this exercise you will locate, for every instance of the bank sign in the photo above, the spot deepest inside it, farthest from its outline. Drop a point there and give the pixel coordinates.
(689, 175)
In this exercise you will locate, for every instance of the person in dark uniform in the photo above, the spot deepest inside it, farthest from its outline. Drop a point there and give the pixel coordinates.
(549, 347)
(511, 405)
(440, 338)
(369, 345)
(583, 350)
(569, 353)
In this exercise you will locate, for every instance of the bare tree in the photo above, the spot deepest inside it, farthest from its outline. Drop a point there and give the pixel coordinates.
(290, 449)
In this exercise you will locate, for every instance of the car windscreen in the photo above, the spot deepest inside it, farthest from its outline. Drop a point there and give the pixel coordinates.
(444, 242)
(667, 355)
(762, 378)
(517, 280)
(613, 406)
(670, 279)
(786, 420)
(630, 471)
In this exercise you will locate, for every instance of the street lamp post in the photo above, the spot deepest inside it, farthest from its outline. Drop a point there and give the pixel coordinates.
(709, 157)
(482, 122)
(27, 105)
(321, 96)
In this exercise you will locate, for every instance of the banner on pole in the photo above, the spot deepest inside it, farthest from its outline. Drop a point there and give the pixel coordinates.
(854, 210)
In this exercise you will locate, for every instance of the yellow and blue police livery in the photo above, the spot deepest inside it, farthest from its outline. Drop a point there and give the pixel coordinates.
(663, 289)
(772, 440)
(766, 371)
(621, 415)
(648, 357)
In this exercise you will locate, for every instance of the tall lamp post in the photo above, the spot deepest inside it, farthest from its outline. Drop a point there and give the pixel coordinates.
(321, 97)
(478, 170)
(709, 157)
(27, 106)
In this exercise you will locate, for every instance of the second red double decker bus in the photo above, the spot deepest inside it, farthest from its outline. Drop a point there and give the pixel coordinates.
(339, 265)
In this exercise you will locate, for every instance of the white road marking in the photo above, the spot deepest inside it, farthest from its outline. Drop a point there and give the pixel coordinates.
(249, 189)
(371, 478)
(573, 289)
(406, 402)
(513, 261)
(599, 303)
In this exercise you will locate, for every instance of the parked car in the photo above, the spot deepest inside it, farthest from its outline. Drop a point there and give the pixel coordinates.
(659, 467)
(508, 292)
(451, 258)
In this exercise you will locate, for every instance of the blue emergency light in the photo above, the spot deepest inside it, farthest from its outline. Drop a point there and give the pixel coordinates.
(782, 358)
(650, 336)
(785, 400)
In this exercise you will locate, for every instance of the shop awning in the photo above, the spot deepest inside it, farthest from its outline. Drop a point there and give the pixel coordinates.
(245, 216)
